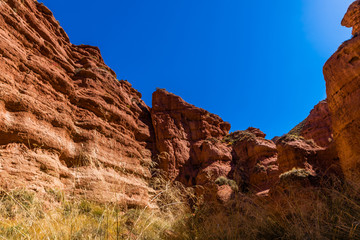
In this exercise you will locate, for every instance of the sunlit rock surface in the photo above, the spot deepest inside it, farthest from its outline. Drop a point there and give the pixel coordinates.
(66, 122)
(342, 75)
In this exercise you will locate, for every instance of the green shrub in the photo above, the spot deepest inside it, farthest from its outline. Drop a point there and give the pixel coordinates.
(295, 173)
(225, 181)
(239, 136)
(221, 181)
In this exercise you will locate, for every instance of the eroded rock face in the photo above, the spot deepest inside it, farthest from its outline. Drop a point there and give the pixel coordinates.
(213, 159)
(352, 18)
(296, 152)
(317, 126)
(195, 148)
(66, 122)
(183, 135)
(255, 159)
(341, 73)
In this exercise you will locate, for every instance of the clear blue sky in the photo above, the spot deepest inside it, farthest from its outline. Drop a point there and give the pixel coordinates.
(254, 63)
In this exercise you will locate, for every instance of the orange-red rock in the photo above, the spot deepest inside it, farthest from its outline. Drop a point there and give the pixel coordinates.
(184, 136)
(255, 159)
(194, 146)
(296, 152)
(224, 194)
(209, 173)
(352, 17)
(317, 126)
(66, 122)
(342, 75)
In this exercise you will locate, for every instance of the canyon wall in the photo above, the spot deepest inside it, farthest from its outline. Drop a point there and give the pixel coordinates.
(342, 75)
(180, 129)
(195, 147)
(317, 126)
(66, 122)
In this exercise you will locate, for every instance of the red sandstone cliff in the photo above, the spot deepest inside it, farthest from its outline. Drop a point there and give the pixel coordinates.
(317, 126)
(66, 122)
(310, 144)
(341, 73)
(187, 138)
(195, 147)
(255, 159)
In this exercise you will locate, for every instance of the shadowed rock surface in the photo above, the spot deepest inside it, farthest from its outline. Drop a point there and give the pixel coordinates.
(187, 137)
(255, 159)
(296, 152)
(195, 147)
(317, 126)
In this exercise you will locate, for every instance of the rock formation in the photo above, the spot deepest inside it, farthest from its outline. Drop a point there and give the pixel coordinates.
(317, 126)
(310, 145)
(296, 152)
(195, 148)
(255, 159)
(66, 122)
(352, 18)
(341, 73)
(187, 137)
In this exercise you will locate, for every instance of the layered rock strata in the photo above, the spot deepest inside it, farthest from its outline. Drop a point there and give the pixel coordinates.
(310, 145)
(194, 146)
(66, 122)
(187, 137)
(342, 75)
(317, 126)
(254, 159)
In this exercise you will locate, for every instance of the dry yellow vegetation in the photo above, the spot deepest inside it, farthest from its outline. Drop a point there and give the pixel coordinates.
(328, 212)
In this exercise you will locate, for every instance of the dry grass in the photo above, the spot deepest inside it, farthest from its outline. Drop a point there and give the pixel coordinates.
(331, 212)
(23, 216)
(328, 212)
